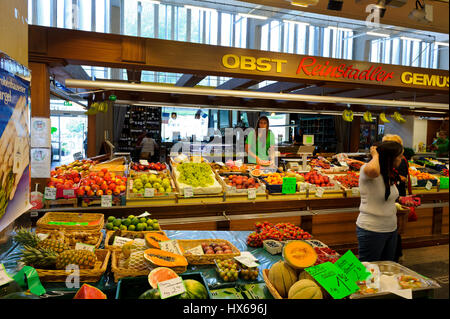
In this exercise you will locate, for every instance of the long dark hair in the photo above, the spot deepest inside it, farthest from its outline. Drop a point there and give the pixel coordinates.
(388, 151)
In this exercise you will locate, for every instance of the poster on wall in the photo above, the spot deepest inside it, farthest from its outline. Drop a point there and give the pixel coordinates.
(40, 162)
(40, 132)
(14, 147)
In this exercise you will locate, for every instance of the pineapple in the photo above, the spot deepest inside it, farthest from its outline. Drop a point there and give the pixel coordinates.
(133, 245)
(28, 238)
(46, 258)
(137, 261)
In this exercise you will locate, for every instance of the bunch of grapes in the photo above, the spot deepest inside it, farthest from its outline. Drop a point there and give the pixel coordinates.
(195, 174)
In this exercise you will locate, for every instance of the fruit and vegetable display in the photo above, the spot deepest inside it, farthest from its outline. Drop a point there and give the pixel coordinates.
(228, 269)
(160, 182)
(444, 172)
(101, 183)
(199, 176)
(349, 180)
(116, 165)
(216, 248)
(82, 167)
(138, 167)
(241, 181)
(325, 254)
(274, 178)
(420, 175)
(322, 163)
(72, 237)
(132, 223)
(89, 292)
(194, 290)
(279, 232)
(315, 178)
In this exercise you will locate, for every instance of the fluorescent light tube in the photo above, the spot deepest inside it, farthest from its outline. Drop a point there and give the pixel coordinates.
(252, 16)
(296, 22)
(376, 34)
(444, 44)
(339, 29)
(199, 8)
(410, 39)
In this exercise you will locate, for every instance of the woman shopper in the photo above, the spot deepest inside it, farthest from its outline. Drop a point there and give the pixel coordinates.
(376, 226)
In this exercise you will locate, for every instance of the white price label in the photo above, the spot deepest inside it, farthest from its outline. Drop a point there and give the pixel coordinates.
(50, 193)
(144, 215)
(149, 192)
(319, 192)
(106, 200)
(355, 191)
(4, 277)
(69, 193)
(220, 163)
(188, 192)
(413, 181)
(42, 236)
(251, 193)
(143, 162)
(428, 186)
(413, 168)
(246, 261)
(82, 246)
(198, 250)
(153, 172)
(120, 241)
(303, 187)
(171, 287)
(170, 246)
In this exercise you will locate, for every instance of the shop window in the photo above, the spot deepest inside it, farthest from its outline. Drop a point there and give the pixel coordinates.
(275, 36)
(277, 124)
(148, 19)
(224, 117)
(165, 22)
(289, 33)
(180, 24)
(226, 30)
(301, 38)
(265, 37)
(240, 33)
(186, 123)
(130, 17)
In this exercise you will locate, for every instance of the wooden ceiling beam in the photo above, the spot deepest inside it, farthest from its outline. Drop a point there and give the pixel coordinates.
(284, 87)
(237, 84)
(189, 80)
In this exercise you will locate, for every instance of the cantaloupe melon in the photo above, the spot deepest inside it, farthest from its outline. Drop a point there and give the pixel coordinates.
(305, 289)
(282, 277)
(299, 254)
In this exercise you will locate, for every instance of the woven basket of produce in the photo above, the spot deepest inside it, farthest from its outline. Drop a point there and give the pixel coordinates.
(213, 249)
(111, 234)
(269, 285)
(71, 221)
(72, 237)
(85, 275)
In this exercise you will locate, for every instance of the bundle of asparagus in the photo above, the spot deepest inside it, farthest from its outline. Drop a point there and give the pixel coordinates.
(14, 153)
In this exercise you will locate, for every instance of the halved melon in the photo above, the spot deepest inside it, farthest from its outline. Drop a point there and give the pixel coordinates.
(161, 258)
(152, 239)
(160, 274)
(299, 254)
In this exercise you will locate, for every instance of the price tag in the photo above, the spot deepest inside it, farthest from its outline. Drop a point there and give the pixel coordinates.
(42, 236)
(220, 163)
(106, 200)
(170, 246)
(171, 287)
(413, 168)
(143, 162)
(4, 277)
(333, 280)
(303, 187)
(50, 193)
(120, 241)
(289, 185)
(355, 191)
(198, 250)
(70, 193)
(149, 192)
(251, 193)
(319, 192)
(82, 246)
(153, 172)
(188, 192)
(144, 215)
(429, 186)
(246, 261)
(413, 181)
(352, 267)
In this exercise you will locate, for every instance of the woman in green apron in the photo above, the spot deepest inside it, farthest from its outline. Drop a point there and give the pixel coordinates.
(260, 144)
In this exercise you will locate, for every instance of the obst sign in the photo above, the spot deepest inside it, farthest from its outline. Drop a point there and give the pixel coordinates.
(233, 61)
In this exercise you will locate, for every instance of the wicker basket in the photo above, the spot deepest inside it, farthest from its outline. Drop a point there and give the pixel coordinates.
(269, 285)
(86, 275)
(95, 221)
(120, 272)
(124, 233)
(67, 233)
(206, 259)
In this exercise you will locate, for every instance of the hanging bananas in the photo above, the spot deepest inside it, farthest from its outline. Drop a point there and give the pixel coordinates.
(368, 117)
(398, 118)
(383, 118)
(97, 107)
(347, 115)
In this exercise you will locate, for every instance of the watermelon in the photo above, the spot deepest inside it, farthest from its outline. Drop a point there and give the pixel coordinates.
(150, 294)
(160, 274)
(89, 292)
(194, 290)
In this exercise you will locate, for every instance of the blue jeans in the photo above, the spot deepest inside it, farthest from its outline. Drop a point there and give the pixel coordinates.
(373, 246)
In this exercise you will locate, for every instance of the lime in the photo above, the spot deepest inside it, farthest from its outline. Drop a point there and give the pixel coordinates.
(115, 228)
(154, 220)
(149, 227)
(135, 221)
(109, 226)
(117, 222)
(123, 227)
(156, 226)
(131, 216)
(140, 227)
(143, 220)
(127, 222)
(131, 227)
(111, 219)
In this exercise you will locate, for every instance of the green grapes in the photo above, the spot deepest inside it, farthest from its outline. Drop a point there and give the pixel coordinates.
(195, 174)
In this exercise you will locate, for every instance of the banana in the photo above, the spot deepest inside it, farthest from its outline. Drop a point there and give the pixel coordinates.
(368, 117)
(383, 118)
(347, 115)
(93, 109)
(398, 117)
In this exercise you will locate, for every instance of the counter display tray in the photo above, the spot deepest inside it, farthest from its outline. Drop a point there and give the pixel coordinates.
(139, 197)
(235, 192)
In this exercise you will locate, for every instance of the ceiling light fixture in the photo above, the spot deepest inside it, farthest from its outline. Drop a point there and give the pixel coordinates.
(376, 34)
(296, 22)
(422, 13)
(252, 16)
